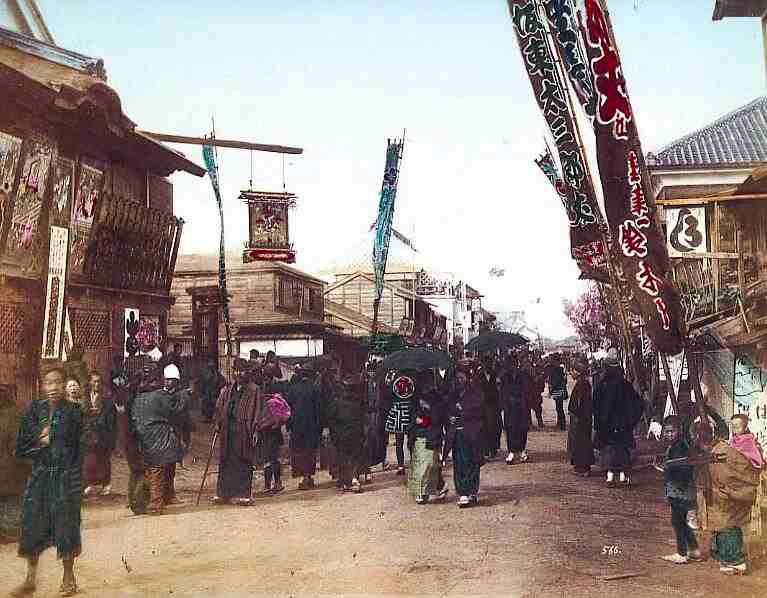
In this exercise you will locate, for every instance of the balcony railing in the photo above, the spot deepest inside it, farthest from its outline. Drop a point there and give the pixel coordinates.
(132, 246)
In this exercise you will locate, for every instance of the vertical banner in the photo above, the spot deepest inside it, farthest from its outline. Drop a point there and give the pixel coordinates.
(67, 342)
(54, 299)
(24, 242)
(385, 217)
(89, 185)
(579, 196)
(590, 257)
(210, 164)
(567, 39)
(629, 202)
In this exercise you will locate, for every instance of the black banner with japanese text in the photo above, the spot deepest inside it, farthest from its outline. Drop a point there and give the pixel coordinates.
(579, 198)
(642, 259)
(590, 257)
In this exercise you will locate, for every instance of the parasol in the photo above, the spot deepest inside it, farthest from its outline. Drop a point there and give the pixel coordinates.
(496, 339)
(415, 359)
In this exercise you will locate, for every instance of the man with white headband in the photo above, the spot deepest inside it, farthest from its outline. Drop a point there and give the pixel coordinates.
(160, 417)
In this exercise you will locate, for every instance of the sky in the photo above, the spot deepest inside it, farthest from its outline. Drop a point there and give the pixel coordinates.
(338, 78)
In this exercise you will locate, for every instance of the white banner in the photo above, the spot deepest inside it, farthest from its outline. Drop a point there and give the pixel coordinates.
(685, 230)
(54, 298)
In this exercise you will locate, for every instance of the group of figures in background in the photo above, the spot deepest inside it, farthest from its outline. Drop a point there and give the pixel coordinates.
(454, 412)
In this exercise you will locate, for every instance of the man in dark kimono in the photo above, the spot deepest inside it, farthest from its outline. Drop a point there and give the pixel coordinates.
(617, 410)
(303, 396)
(347, 429)
(580, 407)
(557, 379)
(236, 413)
(491, 410)
(515, 390)
(159, 418)
(210, 382)
(51, 435)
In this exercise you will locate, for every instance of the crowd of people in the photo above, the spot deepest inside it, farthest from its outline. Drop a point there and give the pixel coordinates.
(342, 422)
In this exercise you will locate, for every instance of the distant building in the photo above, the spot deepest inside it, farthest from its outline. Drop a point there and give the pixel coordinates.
(272, 307)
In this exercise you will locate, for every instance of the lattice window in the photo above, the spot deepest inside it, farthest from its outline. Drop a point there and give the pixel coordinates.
(289, 293)
(91, 328)
(315, 301)
(13, 326)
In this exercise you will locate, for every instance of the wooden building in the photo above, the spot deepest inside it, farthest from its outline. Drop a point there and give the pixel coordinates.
(86, 213)
(272, 307)
(349, 304)
(710, 189)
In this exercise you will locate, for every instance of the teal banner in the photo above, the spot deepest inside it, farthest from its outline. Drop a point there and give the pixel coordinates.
(210, 164)
(386, 213)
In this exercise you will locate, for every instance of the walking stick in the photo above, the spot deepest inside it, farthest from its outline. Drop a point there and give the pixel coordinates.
(207, 465)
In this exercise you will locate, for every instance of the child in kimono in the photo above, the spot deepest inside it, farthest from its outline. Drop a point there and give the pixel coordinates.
(679, 489)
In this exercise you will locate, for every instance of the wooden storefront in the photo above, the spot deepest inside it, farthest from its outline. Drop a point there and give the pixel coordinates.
(86, 214)
(272, 306)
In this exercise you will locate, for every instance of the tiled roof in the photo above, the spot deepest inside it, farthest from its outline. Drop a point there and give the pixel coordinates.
(739, 137)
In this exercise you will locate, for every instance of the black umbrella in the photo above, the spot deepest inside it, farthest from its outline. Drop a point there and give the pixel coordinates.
(415, 359)
(495, 339)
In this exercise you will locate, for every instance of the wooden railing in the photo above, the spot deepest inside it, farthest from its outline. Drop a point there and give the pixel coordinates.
(132, 246)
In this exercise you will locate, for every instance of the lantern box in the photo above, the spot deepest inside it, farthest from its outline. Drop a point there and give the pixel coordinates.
(269, 238)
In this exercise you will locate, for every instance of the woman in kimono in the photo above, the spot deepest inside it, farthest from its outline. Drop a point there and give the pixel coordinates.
(100, 424)
(464, 437)
(515, 390)
(734, 476)
(51, 434)
(579, 445)
(425, 473)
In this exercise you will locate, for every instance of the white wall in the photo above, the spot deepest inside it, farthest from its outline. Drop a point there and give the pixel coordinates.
(284, 348)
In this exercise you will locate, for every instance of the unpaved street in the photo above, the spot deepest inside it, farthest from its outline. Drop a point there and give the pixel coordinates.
(538, 531)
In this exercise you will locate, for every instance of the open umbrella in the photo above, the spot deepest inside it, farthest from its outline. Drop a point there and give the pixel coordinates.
(495, 339)
(415, 359)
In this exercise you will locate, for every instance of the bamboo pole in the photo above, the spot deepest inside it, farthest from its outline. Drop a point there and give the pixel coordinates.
(614, 280)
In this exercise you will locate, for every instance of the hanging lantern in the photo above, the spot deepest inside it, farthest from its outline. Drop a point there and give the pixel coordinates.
(269, 232)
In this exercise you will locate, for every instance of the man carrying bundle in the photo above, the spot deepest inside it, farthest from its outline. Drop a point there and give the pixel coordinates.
(236, 412)
(161, 421)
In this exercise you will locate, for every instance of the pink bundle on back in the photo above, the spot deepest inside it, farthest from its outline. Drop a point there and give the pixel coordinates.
(278, 408)
(747, 446)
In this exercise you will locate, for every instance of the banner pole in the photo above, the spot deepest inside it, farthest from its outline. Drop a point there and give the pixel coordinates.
(614, 280)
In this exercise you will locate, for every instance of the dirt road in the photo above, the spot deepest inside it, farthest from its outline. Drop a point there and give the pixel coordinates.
(538, 531)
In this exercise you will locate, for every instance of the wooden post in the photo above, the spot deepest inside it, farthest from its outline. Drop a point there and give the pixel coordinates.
(715, 249)
(692, 371)
(669, 382)
(741, 265)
